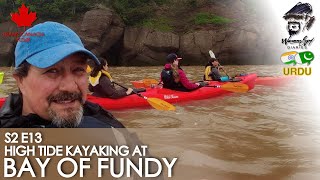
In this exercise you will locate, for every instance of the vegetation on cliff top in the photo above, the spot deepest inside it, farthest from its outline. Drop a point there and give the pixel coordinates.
(207, 18)
(163, 15)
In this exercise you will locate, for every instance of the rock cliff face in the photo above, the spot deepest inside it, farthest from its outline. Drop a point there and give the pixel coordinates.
(7, 44)
(100, 30)
(148, 47)
(104, 33)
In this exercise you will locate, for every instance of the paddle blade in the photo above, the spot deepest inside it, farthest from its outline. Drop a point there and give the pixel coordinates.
(160, 104)
(149, 82)
(235, 87)
(1, 77)
(212, 54)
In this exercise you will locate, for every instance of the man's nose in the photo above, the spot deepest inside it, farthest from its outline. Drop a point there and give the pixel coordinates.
(68, 83)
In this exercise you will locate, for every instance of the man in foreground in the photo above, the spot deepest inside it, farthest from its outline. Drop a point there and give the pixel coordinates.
(50, 71)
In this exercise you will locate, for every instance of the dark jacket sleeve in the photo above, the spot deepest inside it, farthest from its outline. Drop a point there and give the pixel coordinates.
(91, 89)
(109, 90)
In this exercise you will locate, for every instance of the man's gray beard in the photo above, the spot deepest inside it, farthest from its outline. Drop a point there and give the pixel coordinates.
(72, 120)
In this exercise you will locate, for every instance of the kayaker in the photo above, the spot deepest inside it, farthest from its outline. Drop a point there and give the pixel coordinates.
(173, 77)
(50, 71)
(101, 83)
(212, 71)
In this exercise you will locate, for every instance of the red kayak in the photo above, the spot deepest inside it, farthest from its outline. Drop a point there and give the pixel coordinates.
(168, 95)
(273, 80)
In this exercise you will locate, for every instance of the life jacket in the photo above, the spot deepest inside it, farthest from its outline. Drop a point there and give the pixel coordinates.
(168, 80)
(95, 80)
(206, 76)
(211, 74)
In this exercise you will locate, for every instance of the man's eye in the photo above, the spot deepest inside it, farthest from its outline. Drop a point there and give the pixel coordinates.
(52, 71)
(80, 69)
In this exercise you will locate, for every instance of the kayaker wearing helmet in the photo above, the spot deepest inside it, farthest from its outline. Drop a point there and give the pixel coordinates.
(173, 77)
(101, 83)
(50, 71)
(212, 71)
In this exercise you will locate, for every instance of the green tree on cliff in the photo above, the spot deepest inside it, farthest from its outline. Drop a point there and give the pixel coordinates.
(58, 10)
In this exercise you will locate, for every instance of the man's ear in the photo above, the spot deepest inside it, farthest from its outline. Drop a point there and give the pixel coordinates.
(19, 81)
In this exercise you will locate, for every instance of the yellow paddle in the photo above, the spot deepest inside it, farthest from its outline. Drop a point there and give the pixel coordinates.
(230, 86)
(156, 103)
(1, 77)
(233, 87)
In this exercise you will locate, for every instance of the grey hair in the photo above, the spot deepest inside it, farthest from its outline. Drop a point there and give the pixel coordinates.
(22, 70)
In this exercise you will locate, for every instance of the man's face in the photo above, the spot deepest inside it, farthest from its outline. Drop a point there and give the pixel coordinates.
(56, 93)
(293, 28)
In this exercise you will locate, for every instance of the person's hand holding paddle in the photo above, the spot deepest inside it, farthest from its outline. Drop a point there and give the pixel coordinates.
(221, 68)
(129, 91)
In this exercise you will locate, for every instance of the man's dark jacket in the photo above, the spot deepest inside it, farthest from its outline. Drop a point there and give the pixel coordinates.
(94, 116)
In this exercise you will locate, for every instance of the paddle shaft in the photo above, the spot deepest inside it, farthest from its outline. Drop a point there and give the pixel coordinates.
(215, 86)
(224, 70)
(127, 89)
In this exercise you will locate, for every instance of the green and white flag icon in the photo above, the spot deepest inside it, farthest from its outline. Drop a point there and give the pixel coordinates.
(304, 57)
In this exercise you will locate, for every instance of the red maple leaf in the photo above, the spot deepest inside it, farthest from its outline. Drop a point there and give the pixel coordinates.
(23, 19)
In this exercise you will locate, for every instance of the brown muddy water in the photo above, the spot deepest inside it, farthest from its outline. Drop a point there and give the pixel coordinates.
(267, 133)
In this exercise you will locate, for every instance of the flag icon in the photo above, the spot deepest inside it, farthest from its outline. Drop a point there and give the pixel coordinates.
(304, 57)
(289, 57)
